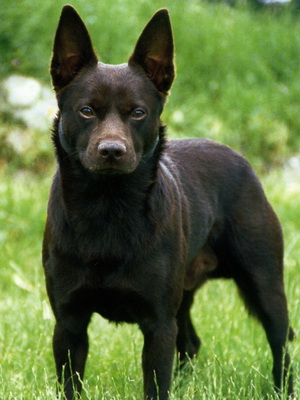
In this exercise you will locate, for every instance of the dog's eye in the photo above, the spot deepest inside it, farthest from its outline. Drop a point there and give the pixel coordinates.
(138, 113)
(87, 112)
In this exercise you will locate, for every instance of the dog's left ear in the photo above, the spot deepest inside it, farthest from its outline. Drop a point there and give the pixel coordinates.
(154, 51)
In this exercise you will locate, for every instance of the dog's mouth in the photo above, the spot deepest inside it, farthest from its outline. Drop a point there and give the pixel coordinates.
(100, 166)
(109, 171)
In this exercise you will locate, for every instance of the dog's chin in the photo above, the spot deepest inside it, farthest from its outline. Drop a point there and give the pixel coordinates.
(112, 169)
(109, 171)
(97, 167)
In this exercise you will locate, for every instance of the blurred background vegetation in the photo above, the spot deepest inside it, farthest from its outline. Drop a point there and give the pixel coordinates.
(238, 79)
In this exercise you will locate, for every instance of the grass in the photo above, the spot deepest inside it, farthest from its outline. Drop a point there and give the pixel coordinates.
(234, 362)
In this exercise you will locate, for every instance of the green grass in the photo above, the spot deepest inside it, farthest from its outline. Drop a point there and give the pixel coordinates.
(234, 362)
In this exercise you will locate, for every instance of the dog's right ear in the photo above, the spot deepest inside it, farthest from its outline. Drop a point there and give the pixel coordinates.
(72, 49)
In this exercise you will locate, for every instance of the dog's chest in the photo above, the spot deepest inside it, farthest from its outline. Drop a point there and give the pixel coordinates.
(115, 304)
(112, 294)
(110, 229)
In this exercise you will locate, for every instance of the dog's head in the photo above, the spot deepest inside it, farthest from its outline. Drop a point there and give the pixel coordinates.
(109, 115)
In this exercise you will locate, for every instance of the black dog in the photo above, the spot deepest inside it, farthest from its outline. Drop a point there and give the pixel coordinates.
(137, 223)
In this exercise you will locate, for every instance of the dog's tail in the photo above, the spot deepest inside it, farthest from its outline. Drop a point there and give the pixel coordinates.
(291, 335)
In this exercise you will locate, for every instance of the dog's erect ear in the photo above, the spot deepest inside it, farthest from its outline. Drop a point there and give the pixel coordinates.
(72, 48)
(154, 51)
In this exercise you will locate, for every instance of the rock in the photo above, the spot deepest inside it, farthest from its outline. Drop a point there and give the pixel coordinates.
(21, 91)
(29, 101)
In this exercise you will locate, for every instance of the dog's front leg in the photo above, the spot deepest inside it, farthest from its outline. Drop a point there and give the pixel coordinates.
(70, 352)
(158, 356)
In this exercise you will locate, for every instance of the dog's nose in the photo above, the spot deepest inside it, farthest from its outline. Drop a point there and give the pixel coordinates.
(111, 150)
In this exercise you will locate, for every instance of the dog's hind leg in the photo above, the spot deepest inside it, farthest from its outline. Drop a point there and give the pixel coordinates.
(257, 247)
(269, 305)
(70, 351)
(188, 342)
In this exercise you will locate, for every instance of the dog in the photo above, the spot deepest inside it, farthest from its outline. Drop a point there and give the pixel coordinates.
(137, 223)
